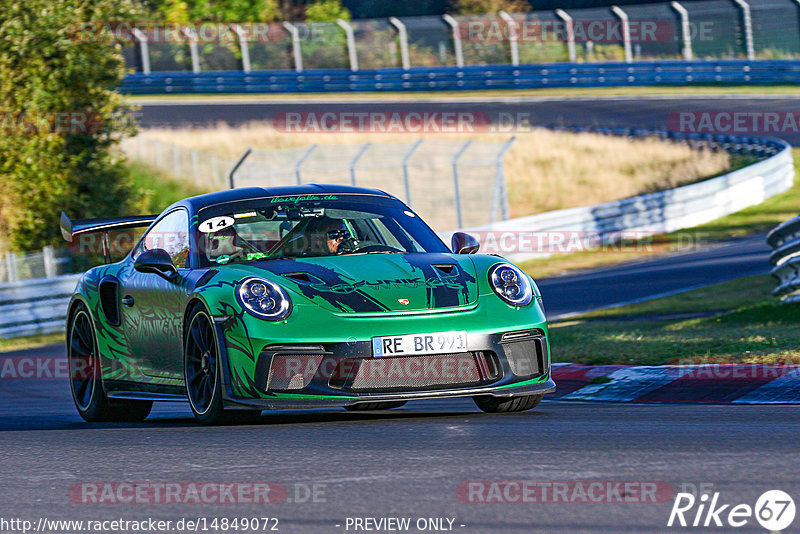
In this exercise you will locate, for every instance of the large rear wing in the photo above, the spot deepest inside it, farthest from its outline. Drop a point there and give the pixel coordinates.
(70, 229)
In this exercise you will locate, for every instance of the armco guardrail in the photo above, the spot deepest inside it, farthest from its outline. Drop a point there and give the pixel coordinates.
(662, 72)
(785, 241)
(666, 211)
(36, 306)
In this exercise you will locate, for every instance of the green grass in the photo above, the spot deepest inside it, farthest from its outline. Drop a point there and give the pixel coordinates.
(155, 190)
(742, 324)
(30, 342)
(560, 92)
(755, 219)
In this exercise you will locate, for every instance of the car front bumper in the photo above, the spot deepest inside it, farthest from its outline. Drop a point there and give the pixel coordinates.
(342, 374)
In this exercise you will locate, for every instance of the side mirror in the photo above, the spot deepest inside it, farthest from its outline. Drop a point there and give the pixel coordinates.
(462, 243)
(156, 261)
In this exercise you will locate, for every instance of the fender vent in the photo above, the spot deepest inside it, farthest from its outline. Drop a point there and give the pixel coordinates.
(447, 270)
(109, 299)
(303, 278)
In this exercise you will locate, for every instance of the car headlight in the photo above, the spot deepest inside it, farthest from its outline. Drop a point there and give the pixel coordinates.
(264, 299)
(511, 284)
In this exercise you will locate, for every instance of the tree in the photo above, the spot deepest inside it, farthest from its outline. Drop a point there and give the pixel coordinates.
(326, 10)
(219, 10)
(61, 117)
(483, 7)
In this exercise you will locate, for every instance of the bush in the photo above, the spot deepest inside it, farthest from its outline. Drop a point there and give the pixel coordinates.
(48, 72)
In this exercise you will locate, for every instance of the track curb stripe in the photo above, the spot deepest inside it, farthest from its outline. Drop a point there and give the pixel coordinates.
(712, 383)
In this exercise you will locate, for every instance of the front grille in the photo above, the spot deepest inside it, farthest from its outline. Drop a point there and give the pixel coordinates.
(528, 356)
(289, 372)
(408, 373)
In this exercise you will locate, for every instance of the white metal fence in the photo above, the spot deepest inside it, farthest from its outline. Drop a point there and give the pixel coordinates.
(45, 263)
(666, 211)
(201, 168)
(659, 30)
(451, 184)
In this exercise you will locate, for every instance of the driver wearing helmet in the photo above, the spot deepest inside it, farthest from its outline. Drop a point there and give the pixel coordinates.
(326, 236)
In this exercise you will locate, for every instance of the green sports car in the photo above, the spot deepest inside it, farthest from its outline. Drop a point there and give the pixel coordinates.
(299, 297)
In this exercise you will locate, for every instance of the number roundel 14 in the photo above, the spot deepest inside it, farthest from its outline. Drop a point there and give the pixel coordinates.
(215, 224)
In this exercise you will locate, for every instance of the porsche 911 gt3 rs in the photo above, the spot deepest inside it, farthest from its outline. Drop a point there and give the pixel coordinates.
(299, 297)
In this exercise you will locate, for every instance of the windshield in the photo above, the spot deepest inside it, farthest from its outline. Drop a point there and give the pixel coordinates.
(310, 226)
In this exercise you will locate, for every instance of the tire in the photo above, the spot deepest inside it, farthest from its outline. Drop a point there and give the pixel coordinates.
(369, 406)
(201, 361)
(490, 404)
(86, 381)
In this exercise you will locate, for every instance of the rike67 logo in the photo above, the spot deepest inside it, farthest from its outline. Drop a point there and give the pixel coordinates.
(774, 510)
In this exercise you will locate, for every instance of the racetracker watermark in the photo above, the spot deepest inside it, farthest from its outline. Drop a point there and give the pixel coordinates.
(689, 369)
(509, 241)
(734, 122)
(548, 242)
(564, 492)
(160, 32)
(382, 121)
(43, 368)
(57, 122)
(581, 31)
(204, 493)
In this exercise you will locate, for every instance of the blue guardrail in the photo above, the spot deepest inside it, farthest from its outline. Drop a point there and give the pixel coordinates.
(757, 72)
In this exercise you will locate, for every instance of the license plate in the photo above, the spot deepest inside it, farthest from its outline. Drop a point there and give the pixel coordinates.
(415, 344)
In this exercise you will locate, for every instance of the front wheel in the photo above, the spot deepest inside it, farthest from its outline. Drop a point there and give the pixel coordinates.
(86, 383)
(490, 404)
(203, 375)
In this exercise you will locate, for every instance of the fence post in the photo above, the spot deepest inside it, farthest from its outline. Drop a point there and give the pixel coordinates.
(402, 34)
(11, 266)
(195, 167)
(296, 51)
(456, 190)
(49, 260)
(236, 166)
(560, 13)
(188, 32)
(243, 47)
(354, 162)
(513, 36)
(500, 191)
(299, 164)
(406, 158)
(686, 31)
(214, 169)
(626, 32)
(456, 39)
(176, 161)
(157, 150)
(144, 49)
(748, 28)
(351, 43)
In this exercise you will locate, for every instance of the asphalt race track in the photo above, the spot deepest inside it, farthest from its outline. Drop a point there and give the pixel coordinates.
(639, 112)
(408, 462)
(582, 292)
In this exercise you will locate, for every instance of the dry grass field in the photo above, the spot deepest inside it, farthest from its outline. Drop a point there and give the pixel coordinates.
(545, 170)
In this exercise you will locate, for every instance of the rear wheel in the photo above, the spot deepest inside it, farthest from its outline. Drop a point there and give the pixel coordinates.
(490, 404)
(369, 406)
(86, 381)
(202, 374)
